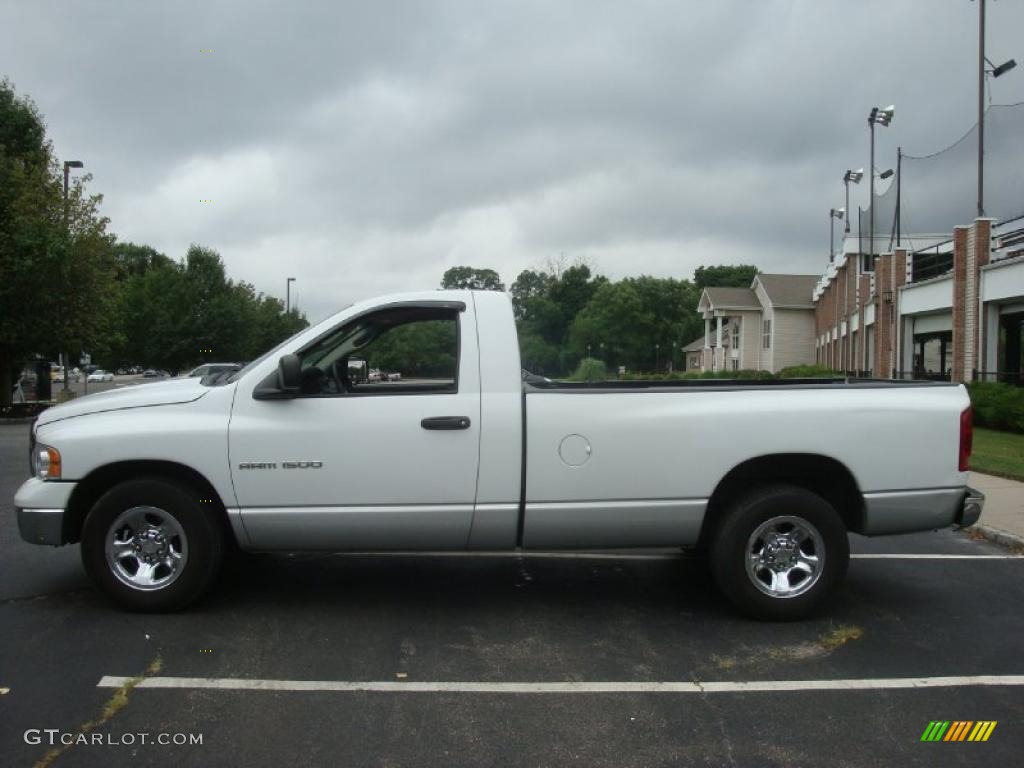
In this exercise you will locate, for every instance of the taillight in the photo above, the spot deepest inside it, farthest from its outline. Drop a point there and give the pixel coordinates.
(966, 438)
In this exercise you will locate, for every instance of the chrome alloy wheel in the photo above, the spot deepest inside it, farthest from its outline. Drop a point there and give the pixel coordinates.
(146, 548)
(785, 556)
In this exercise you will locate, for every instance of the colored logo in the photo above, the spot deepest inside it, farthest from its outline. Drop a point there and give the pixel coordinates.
(958, 730)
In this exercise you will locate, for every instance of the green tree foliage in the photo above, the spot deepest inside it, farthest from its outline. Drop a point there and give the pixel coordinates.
(55, 258)
(590, 369)
(725, 275)
(422, 349)
(178, 315)
(637, 320)
(546, 303)
(472, 278)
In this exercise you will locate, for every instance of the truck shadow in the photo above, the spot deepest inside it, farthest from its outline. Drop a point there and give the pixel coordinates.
(467, 584)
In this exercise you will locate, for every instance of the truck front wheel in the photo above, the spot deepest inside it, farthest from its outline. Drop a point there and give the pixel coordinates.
(149, 545)
(779, 552)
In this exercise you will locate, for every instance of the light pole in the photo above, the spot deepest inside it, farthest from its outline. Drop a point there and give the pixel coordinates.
(288, 295)
(848, 177)
(672, 365)
(1002, 69)
(882, 117)
(833, 214)
(68, 165)
(657, 357)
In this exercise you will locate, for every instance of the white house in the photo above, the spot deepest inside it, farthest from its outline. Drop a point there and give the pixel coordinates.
(768, 326)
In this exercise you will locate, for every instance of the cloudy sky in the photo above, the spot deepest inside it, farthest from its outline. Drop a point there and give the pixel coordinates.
(364, 147)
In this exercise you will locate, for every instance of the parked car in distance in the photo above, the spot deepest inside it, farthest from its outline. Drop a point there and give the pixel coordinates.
(209, 369)
(149, 373)
(768, 477)
(394, 376)
(99, 375)
(375, 375)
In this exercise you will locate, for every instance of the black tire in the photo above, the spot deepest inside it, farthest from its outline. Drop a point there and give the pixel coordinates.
(731, 547)
(203, 543)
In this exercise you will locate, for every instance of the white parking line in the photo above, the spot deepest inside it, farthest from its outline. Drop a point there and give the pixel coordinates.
(659, 556)
(389, 686)
(937, 557)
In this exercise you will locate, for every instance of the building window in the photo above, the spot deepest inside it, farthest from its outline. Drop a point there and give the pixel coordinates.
(766, 336)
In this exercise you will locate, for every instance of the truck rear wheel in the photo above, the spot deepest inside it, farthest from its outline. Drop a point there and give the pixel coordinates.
(779, 552)
(149, 545)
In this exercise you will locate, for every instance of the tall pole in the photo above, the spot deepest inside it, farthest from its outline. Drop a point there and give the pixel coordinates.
(831, 236)
(288, 295)
(67, 356)
(899, 173)
(871, 197)
(981, 108)
(846, 183)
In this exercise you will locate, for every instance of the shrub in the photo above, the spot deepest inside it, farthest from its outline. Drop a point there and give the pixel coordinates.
(809, 372)
(589, 369)
(997, 406)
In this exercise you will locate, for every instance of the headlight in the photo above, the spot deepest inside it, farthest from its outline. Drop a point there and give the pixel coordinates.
(46, 463)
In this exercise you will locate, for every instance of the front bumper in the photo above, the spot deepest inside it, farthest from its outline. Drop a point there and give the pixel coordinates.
(40, 508)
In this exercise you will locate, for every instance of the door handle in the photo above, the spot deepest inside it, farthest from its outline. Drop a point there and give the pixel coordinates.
(446, 422)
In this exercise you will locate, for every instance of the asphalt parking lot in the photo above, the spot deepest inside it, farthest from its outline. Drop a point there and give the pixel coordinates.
(409, 660)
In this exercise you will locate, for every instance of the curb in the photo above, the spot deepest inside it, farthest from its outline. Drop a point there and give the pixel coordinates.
(1000, 537)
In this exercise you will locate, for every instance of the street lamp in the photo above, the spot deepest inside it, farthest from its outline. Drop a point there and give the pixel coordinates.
(1002, 69)
(833, 214)
(882, 117)
(68, 165)
(288, 295)
(657, 357)
(848, 177)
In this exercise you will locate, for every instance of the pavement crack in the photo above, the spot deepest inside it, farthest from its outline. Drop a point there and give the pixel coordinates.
(117, 702)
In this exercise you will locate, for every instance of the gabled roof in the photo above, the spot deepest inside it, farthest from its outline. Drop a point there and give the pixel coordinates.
(695, 345)
(730, 298)
(789, 291)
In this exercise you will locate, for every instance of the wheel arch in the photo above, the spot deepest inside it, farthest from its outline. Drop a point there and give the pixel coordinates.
(89, 489)
(823, 475)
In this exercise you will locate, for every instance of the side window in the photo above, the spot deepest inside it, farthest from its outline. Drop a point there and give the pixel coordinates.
(766, 339)
(405, 350)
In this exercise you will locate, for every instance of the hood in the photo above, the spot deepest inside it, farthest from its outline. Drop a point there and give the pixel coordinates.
(134, 396)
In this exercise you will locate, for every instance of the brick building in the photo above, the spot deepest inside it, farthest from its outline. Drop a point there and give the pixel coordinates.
(951, 308)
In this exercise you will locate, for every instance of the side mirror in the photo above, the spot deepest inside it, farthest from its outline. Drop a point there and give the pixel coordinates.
(289, 374)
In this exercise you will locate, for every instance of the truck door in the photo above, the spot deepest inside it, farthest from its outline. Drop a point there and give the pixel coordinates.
(383, 462)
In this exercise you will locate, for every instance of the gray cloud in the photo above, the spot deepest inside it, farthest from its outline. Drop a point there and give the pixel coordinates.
(365, 147)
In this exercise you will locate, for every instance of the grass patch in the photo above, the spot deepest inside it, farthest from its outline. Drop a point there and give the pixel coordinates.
(840, 636)
(998, 453)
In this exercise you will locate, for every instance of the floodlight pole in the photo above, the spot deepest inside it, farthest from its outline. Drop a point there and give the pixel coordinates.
(871, 194)
(846, 183)
(981, 108)
(899, 172)
(68, 165)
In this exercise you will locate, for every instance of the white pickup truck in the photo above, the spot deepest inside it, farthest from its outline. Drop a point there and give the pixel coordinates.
(466, 452)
